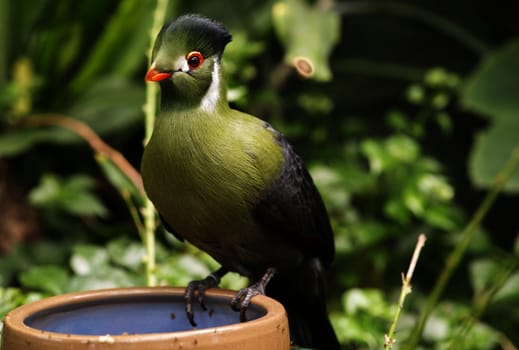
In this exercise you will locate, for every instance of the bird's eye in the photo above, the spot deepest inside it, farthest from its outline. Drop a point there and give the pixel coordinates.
(194, 59)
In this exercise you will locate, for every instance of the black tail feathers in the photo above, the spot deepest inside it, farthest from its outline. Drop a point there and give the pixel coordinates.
(302, 294)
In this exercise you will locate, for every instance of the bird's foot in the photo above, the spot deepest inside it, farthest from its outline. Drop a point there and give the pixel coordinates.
(198, 288)
(243, 297)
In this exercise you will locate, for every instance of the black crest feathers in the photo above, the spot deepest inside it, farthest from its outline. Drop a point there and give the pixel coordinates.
(194, 32)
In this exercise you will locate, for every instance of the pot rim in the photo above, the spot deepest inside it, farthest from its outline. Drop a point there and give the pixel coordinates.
(15, 318)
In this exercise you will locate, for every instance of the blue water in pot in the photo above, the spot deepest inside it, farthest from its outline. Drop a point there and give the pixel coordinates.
(136, 315)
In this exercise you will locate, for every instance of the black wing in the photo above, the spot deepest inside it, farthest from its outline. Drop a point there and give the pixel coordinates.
(293, 207)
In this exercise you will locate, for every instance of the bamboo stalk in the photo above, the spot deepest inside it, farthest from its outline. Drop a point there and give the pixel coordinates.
(150, 110)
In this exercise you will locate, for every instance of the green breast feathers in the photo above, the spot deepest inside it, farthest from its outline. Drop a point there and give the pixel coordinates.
(206, 172)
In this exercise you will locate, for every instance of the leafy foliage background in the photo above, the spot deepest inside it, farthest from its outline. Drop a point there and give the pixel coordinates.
(412, 111)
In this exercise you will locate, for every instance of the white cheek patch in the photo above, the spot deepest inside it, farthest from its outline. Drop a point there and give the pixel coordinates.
(181, 64)
(212, 95)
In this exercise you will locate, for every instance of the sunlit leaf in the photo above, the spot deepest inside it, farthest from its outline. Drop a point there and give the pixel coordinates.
(127, 253)
(371, 301)
(105, 277)
(374, 151)
(402, 148)
(86, 259)
(14, 297)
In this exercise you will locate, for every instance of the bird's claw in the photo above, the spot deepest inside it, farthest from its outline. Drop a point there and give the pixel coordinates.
(242, 299)
(198, 288)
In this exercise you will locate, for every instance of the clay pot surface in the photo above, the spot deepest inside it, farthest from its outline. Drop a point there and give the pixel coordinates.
(144, 318)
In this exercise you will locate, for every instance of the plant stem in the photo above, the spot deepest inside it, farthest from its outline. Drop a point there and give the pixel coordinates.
(406, 289)
(150, 224)
(150, 110)
(5, 22)
(456, 255)
(95, 142)
(134, 212)
(482, 300)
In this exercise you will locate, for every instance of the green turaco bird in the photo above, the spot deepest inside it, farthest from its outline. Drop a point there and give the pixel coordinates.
(230, 184)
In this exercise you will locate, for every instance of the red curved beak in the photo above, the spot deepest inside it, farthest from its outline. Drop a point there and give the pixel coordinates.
(155, 75)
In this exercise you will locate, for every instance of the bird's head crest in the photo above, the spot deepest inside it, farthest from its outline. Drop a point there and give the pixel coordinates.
(186, 57)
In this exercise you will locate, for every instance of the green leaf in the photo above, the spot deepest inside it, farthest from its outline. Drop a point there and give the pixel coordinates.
(396, 209)
(509, 291)
(367, 233)
(70, 195)
(402, 148)
(491, 151)
(414, 201)
(105, 277)
(118, 179)
(442, 216)
(377, 157)
(114, 53)
(11, 298)
(435, 186)
(182, 269)
(390, 153)
(87, 259)
(331, 184)
(94, 269)
(481, 273)
(111, 104)
(234, 281)
(370, 301)
(127, 253)
(493, 91)
(493, 88)
(17, 141)
(49, 279)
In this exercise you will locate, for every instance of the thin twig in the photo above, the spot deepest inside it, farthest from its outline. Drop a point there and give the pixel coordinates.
(506, 343)
(95, 142)
(406, 289)
(457, 254)
(416, 254)
(137, 220)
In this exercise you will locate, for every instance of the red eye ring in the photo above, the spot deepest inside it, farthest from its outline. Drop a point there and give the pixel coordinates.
(194, 59)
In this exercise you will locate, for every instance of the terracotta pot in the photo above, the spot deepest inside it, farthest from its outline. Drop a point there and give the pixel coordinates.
(143, 318)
